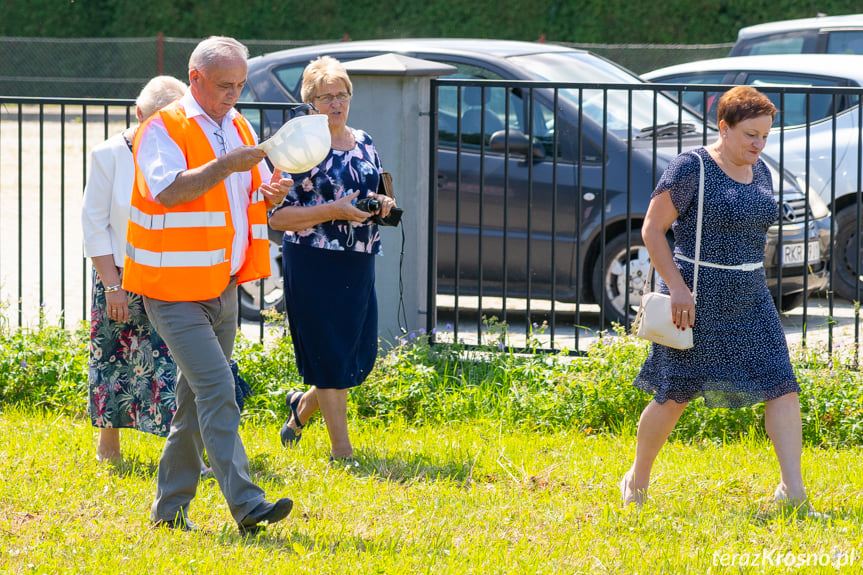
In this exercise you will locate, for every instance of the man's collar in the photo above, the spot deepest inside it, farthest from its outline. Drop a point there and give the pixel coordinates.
(193, 108)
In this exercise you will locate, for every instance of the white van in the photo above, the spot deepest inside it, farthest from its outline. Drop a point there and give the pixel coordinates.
(821, 35)
(801, 155)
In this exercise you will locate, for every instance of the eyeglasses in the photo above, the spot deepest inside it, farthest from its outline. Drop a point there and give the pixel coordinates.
(342, 97)
(220, 135)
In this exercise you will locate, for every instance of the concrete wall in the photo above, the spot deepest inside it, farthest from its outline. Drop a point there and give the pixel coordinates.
(391, 96)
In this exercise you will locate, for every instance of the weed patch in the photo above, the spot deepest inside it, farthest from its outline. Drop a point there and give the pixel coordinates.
(422, 384)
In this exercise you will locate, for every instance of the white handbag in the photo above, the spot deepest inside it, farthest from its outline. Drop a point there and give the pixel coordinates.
(653, 321)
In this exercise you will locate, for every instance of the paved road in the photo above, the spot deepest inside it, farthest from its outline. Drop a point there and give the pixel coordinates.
(818, 328)
(566, 335)
(41, 255)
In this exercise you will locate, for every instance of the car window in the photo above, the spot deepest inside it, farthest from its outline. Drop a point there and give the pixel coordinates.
(543, 126)
(793, 110)
(484, 112)
(611, 108)
(695, 100)
(253, 116)
(790, 43)
(845, 42)
(291, 78)
(477, 104)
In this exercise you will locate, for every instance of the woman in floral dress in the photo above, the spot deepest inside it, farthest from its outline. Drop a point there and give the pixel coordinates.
(329, 269)
(132, 373)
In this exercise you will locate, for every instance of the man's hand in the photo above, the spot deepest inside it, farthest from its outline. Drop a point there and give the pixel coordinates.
(243, 159)
(275, 192)
(195, 182)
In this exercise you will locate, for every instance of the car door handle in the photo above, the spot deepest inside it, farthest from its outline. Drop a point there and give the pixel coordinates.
(442, 180)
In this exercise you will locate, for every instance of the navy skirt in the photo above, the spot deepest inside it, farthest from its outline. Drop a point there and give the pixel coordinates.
(332, 314)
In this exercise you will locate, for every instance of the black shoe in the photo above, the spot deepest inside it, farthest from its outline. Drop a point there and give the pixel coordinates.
(291, 436)
(265, 511)
(180, 523)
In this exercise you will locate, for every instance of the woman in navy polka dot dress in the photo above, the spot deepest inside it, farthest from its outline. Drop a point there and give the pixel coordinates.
(740, 356)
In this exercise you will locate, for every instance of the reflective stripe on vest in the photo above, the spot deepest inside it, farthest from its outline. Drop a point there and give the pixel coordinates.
(177, 219)
(175, 259)
(184, 253)
(260, 232)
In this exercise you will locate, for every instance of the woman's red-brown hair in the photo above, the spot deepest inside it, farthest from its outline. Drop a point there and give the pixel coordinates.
(743, 103)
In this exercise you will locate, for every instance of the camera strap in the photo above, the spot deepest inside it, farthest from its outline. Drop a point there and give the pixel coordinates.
(401, 314)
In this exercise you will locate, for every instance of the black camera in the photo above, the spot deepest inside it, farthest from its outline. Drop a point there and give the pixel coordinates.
(368, 205)
(302, 110)
(372, 205)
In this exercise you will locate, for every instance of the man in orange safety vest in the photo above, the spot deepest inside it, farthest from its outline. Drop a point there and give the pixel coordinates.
(197, 228)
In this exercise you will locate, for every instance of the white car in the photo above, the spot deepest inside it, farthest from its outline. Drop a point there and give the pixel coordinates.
(802, 70)
(821, 35)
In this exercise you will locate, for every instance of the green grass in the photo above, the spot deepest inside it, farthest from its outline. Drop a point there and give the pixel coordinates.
(471, 461)
(427, 384)
(472, 496)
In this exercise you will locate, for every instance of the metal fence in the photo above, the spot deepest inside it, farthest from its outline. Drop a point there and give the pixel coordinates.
(44, 149)
(100, 67)
(44, 144)
(541, 190)
(535, 240)
(119, 67)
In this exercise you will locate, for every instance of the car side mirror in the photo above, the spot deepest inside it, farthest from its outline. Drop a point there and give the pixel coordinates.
(519, 144)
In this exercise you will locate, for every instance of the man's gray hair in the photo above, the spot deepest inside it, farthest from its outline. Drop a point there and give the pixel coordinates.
(216, 48)
(158, 93)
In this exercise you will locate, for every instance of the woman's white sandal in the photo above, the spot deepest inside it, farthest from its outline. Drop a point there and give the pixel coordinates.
(804, 507)
(629, 496)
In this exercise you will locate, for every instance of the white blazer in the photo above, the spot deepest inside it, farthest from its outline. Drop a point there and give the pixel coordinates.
(107, 195)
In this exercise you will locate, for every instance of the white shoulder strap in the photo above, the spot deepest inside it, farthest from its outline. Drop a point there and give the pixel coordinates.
(644, 288)
(698, 226)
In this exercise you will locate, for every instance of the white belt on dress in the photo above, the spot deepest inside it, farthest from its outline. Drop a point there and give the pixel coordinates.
(748, 267)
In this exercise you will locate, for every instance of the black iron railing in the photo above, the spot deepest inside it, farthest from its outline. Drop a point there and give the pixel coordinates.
(537, 193)
(578, 176)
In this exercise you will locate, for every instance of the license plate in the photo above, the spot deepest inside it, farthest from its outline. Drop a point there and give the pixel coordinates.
(792, 254)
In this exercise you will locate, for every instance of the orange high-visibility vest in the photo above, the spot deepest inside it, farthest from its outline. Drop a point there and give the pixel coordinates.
(184, 253)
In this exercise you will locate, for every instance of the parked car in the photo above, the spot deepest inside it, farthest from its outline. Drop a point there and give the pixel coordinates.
(610, 160)
(800, 70)
(821, 35)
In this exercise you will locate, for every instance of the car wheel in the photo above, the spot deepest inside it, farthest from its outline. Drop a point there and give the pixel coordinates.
(250, 302)
(610, 282)
(846, 254)
(791, 301)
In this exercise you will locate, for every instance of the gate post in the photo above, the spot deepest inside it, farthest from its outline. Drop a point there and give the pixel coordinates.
(160, 40)
(391, 103)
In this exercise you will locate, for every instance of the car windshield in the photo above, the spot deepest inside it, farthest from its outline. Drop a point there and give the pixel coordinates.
(586, 68)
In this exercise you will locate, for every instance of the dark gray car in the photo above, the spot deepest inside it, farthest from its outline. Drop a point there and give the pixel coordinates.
(611, 145)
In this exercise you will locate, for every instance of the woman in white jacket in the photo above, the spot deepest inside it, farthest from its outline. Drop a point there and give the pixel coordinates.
(132, 374)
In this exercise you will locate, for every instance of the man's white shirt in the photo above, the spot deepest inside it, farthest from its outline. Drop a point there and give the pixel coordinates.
(161, 160)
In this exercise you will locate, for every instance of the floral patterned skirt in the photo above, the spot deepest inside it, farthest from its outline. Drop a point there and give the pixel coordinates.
(132, 372)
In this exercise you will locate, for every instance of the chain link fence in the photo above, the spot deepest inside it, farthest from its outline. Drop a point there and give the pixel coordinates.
(119, 67)
(641, 58)
(100, 67)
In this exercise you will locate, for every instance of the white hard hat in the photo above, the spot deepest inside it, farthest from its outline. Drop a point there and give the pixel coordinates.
(299, 145)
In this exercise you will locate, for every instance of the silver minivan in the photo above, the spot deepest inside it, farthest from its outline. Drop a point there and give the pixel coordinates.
(807, 140)
(820, 35)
